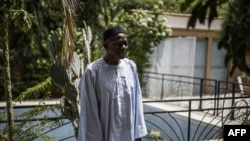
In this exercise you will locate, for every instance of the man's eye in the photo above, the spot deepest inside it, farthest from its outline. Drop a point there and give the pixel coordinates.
(120, 43)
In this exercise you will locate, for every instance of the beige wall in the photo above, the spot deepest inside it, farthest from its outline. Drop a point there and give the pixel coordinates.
(178, 24)
(210, 35)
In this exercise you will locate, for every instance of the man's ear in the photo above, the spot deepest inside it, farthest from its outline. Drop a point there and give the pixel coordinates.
(105, 45)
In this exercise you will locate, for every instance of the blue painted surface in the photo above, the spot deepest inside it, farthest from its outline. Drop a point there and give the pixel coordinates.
(172, 126)
(63, 133)
(175, 127)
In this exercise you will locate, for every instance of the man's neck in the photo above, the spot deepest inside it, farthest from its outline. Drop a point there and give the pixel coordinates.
(111, 60)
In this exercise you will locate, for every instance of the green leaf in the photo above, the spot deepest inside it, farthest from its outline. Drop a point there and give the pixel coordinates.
(22, 19)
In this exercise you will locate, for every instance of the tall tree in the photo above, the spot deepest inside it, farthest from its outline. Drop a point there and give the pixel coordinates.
(235, 35)
(8, 94)
(29, 59)
(11, 12)
(201, 10)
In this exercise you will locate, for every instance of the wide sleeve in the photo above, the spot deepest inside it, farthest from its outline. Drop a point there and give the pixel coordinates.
(89, 124)
(140, 129)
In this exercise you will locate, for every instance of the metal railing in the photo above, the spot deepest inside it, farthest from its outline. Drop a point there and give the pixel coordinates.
(216, 103)
(200, 123)
(188, 108)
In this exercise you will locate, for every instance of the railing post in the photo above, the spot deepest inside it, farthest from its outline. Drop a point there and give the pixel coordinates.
(215, 95)
(233, 100)
(218, 98)
(189, 120)
(162, 86)
(146, 86)
(201, 93)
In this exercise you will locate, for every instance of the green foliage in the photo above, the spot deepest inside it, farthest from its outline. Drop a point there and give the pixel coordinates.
(172, 6)
(201, 9)
(22, 19)
(156, 135)
(29, 59)
(66, 77)
(35, 90)
(65, 73)
(145, 31)
(145, 28)
(235, 35)
(28, 130)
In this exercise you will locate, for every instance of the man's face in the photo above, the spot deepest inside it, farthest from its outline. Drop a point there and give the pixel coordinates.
(117, 46)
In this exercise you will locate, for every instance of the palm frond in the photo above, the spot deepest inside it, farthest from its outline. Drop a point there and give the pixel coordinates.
(69, 31)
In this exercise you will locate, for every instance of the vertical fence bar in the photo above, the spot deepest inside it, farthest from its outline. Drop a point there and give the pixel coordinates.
(147, 78)
(162, 85)
(215, 95)
(218, 98)
(201, 93)
(189, 120)
(233, 100)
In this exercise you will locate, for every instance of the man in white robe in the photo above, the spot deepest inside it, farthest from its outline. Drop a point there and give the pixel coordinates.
(110, 95)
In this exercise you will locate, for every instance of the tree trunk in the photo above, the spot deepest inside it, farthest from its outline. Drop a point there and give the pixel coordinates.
(8, 94)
